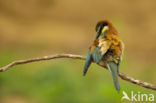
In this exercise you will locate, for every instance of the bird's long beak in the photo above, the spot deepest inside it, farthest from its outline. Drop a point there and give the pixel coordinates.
(98, 34)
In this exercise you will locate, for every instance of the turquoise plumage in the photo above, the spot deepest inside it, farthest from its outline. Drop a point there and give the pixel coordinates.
(87, 63)
(113, 68)
(97, 55)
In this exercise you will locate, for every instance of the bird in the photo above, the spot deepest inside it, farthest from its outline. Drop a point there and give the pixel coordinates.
(107, 49)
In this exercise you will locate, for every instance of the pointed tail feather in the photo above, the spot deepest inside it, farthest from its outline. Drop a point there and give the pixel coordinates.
(87, 63)
(113, 68)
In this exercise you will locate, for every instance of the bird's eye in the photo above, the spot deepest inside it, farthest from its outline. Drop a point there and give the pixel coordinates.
(105, 24)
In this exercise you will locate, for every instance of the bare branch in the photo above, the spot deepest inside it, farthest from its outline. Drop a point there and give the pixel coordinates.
(72, 56)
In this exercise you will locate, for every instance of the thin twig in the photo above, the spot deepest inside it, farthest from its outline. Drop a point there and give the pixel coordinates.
(121, 75)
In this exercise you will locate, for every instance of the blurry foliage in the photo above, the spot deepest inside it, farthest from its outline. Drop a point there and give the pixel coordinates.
(62, 81)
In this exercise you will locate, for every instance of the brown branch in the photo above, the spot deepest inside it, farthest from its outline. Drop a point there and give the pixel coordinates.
(121, 75)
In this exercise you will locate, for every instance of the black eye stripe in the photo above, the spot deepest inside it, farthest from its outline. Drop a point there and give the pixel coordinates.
(100, 26)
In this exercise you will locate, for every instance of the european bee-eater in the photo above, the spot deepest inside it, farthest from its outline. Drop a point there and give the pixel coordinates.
(107, 48)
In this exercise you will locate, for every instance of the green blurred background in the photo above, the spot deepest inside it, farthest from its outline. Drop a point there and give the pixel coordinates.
(32, 28)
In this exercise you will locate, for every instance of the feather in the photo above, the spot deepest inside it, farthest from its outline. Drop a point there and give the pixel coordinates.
(113, 68)
(99, 49)
(97, 55)
(87, 63)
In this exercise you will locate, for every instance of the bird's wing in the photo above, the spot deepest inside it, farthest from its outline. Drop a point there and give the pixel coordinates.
(99, 49)
(97, 54)
(87, 63)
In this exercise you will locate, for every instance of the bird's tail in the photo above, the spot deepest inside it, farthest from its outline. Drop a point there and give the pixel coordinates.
(87, 63)
(113, 68)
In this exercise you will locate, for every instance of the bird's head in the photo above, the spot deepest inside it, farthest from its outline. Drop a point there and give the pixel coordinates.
(104, 28)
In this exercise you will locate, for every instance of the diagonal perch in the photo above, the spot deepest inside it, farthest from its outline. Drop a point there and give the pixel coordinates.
(73, 56)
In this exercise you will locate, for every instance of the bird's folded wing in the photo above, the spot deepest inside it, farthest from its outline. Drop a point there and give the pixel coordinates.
(99, 50)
